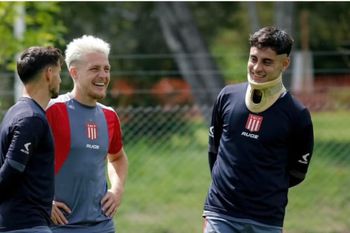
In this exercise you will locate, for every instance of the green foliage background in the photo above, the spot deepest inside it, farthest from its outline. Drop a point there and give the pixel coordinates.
(168, 179)
(139, 53)
(43, 27)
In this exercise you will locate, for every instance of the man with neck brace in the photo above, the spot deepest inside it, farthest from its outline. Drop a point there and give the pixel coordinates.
(260, 143)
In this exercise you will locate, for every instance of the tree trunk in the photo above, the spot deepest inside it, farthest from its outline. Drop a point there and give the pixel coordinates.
(191, 53)
(253, 16)
(284, 19)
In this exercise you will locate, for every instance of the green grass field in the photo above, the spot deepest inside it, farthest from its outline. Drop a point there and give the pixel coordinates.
(168, 181)
(322, 203)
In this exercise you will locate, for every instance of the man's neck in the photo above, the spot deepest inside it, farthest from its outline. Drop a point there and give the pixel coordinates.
(38, 95)
(85, 100)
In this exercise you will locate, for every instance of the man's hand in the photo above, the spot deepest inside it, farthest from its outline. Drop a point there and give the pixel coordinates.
(110, 203)
(57, 215)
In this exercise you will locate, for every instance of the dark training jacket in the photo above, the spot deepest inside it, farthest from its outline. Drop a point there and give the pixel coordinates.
(26, 167)
(256, 157)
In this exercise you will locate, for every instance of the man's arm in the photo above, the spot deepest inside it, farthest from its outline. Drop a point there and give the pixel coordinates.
(301, 153)
(9, 177)
(117, 173)
(19, 153)
(215, 131)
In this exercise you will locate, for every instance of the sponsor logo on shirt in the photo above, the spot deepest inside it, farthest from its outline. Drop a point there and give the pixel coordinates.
(91, 130)
(250, 135)
(26, 148)
(253, 123)
(211, 131)
(90, 146)
(304, 159)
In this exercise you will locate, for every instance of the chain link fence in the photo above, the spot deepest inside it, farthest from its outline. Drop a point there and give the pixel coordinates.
(169, 173)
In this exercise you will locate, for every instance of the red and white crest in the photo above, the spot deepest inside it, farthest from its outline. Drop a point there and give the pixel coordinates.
(91, 130)
(253, 123)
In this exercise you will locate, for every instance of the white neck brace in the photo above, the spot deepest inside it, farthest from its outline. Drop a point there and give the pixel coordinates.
(270, 91)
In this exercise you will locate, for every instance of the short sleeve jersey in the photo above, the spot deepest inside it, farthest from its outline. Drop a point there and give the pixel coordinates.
(83, 136)
(26, 167)
(256, 152)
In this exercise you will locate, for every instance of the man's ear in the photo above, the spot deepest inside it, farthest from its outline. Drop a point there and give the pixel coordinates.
(285, 63)
(73, 72)
(48, 73)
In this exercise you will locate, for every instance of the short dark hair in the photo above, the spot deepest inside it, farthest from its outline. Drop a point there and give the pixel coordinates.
(32, 60)
(274, 38)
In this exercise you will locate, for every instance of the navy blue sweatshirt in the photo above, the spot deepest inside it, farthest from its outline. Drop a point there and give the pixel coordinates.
(26, 167)
(256, 157)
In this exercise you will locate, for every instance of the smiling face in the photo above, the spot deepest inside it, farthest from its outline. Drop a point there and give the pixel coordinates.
(91, 77)
(265, 65)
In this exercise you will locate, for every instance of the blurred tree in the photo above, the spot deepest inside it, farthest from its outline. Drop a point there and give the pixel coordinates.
(42, 28)
(142, 57)
(139, 53)
(284, 16)
(253, 16)
(329, 31)
(191, 53)
(284, 19)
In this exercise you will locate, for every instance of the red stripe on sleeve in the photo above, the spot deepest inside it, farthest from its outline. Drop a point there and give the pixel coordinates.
(57, 115)
(114, 131)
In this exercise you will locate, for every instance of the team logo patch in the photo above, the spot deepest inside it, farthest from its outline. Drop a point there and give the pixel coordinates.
(253, 123)
(91, 130)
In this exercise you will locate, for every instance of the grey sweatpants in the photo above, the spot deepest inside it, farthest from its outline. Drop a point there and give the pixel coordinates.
(219, 225)
(39, 229)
